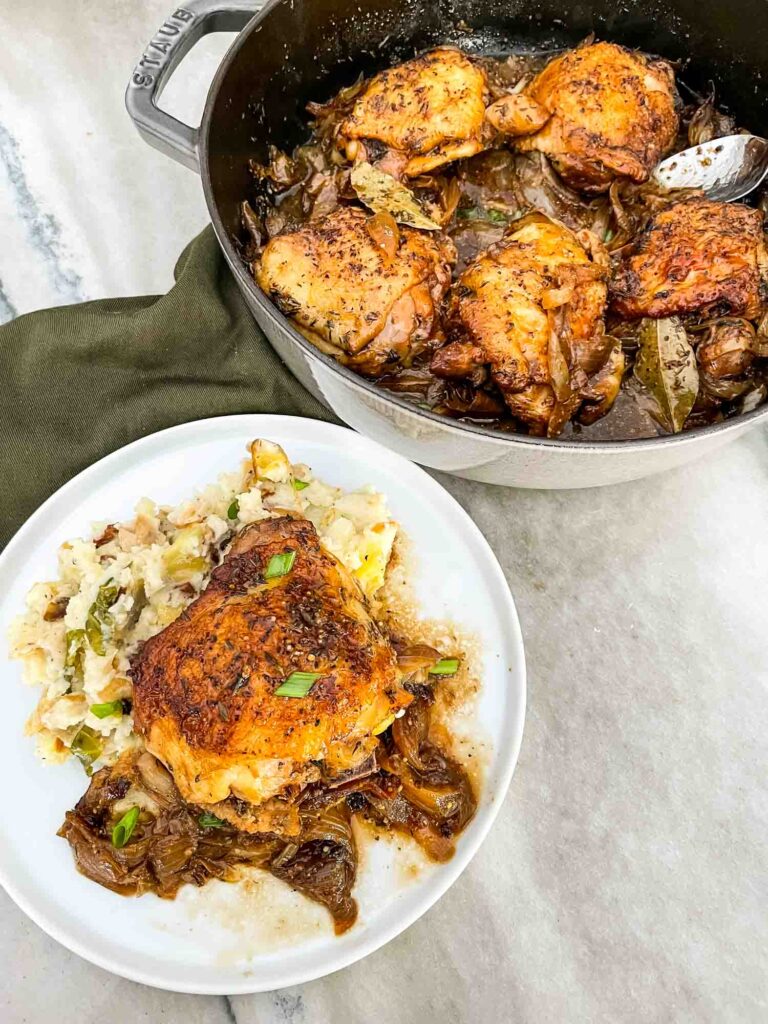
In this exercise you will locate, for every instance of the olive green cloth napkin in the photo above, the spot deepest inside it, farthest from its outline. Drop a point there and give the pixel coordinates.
(80, 381)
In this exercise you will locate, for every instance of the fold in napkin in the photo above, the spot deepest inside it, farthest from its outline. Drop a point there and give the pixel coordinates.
(80, 381)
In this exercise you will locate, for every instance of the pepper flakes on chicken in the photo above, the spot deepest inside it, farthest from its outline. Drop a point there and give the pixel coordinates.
(531, 308)
(599, 112)
(423, 114)
(206, 689)
(694, 256)
(369, 301)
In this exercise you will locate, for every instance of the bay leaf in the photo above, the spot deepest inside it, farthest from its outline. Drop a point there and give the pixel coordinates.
(384, 194)
(666, 366)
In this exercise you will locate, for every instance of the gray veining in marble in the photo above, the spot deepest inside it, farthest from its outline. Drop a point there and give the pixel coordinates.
(625, 880)
(43, 230)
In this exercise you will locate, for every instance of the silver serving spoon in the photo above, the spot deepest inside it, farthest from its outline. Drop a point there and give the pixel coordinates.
(726, 169)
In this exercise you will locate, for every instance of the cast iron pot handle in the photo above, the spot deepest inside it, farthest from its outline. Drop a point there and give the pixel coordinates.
(175, 37)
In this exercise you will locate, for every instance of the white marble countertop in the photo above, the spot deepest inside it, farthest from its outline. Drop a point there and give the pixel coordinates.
(626, 877)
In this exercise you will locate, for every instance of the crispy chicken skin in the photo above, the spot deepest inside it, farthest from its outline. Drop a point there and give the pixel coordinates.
(536, 286)
(607, 113)
(693, 256)
(349, 296)
(204, 688)
(517, 114)
(427, 112)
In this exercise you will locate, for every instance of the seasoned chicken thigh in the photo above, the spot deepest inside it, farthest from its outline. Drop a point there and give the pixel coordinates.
(604, 112)
(531, 308)
(370, 307)
(693, 256)
(209, 690)
(424, 113)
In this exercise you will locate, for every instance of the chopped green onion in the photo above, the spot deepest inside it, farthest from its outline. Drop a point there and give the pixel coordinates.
(280, 565)
(445, 667)
(123, 830)
(74, 642)
(299, 485)
(234, 510)
(478, 213)
(207, 820)
(112, 707)
(95, 635)
(608, 235)
(298, 684)
(99, 621)
(86, 746)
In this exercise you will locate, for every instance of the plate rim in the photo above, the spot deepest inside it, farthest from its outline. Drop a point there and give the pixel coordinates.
(507, 760)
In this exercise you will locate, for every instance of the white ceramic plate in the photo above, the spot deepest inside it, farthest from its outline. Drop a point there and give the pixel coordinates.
(229, 939)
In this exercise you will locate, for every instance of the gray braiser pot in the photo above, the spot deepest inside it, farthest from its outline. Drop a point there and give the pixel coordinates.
(292, 51)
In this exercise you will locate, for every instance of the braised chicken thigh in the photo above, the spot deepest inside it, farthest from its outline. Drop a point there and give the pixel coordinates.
(419, 115)
(371, 307)
(694, 255)
(209, 694)
(531, 308)
(606, 112)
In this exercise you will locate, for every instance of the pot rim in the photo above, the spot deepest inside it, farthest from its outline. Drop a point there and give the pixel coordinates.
(358, 383)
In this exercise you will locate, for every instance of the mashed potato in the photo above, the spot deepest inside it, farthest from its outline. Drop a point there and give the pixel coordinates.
(132, 579)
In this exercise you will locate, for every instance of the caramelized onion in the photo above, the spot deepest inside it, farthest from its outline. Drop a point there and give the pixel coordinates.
(430, 782)
(407, 381)
(169, 855)
(442, 802)
(337, 107)
(724, 388)
(415, 657)
(410, 731)
(324, 194)
(165, 851)
(360, 771)
(466, 400)
(397, 812)
(439, 194)
(156, 777)
(252, 225)
(728, 348)
(709, 123)
(421, 793)
(383, 229)
(287, 853)
(324, 865)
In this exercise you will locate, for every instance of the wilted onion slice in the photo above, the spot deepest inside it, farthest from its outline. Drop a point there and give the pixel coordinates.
(417, 657)
(383, 229)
